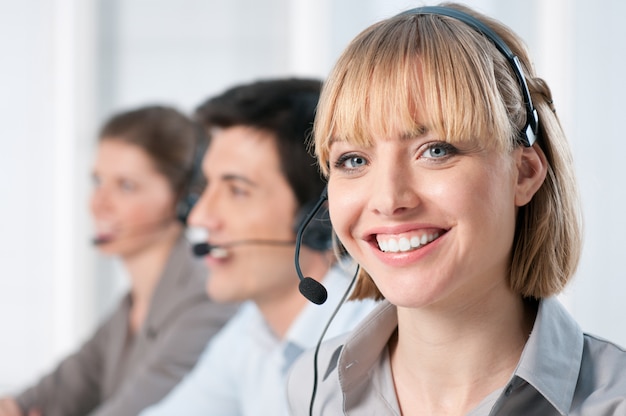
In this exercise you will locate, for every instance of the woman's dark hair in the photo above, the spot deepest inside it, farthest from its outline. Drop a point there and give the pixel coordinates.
(168, 137)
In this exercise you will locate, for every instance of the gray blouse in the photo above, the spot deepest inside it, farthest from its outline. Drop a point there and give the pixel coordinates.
(562, 371)
(116, 374)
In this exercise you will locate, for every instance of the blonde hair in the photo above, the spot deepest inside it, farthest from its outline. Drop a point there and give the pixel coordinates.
(465, 90)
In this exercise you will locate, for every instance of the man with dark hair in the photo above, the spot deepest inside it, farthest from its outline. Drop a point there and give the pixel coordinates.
(261, 182)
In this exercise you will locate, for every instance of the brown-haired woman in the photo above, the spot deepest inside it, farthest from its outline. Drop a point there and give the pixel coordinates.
(142, 174)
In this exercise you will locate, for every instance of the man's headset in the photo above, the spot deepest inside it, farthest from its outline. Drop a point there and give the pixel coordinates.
(194, 182)
(312, 227)
(315, 291)
(316, 229)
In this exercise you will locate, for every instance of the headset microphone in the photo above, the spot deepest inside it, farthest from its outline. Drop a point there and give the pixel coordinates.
(221, 250)
(310, 288)
(202, 249)
(96, 241)
(138, 230)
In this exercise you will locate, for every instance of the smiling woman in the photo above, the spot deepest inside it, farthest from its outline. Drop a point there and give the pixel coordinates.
(451, 183)
(132, 204)
(142, 169)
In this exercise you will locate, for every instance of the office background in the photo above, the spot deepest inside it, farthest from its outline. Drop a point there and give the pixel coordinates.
(67, 64)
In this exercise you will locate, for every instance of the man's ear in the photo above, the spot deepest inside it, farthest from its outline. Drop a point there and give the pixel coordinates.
(532, 168)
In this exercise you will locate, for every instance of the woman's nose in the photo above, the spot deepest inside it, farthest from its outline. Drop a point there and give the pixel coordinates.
(393, 190)
(100, 199)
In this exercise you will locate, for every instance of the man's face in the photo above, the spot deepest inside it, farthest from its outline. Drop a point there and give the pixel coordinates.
(247, 198)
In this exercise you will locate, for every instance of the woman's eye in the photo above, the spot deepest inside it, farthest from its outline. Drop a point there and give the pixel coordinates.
(127, 186)
(351, 162)
(439, 150)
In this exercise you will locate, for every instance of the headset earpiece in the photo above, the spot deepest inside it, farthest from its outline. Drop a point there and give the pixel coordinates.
(318, 233)
(184, 206)
(195, 180)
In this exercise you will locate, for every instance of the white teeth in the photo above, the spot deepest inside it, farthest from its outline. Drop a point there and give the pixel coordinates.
(219, 252)
(404, 244)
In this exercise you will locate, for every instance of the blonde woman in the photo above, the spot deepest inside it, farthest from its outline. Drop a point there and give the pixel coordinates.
(451, 183)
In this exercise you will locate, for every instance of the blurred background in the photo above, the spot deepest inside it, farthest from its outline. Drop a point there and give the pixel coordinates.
(66, 65)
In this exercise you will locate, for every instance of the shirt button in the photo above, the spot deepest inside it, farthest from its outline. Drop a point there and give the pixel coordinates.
(508, 390)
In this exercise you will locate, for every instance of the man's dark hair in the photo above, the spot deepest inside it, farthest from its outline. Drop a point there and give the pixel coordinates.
(284, 108)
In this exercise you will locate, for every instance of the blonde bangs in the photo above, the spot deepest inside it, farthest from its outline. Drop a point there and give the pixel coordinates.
(409, 73)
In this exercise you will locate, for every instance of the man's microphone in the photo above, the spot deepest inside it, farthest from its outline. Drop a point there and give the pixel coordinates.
(310, 288)
(220, 251)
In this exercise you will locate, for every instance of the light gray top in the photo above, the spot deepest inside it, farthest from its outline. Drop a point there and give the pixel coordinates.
(562, 371)
(117, 374)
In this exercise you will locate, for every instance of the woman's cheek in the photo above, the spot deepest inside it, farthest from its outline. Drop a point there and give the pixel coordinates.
(343, 210)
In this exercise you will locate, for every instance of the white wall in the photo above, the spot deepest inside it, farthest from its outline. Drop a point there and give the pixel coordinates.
(45, 303)
(599, 42)
(66, 64)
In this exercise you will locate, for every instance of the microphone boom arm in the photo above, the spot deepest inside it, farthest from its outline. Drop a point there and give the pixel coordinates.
(310, 288)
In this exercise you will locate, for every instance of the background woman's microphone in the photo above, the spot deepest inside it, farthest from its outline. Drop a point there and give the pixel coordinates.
(132, 232)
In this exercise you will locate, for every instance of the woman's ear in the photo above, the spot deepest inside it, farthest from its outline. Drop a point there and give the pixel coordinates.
(532, 167)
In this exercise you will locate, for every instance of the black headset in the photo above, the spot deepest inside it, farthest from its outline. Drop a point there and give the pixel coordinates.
(528, 134)
(317, 231)
(315, 291)
(194, 182)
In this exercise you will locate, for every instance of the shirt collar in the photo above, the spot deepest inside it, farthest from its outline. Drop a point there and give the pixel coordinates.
(305, 330)
(545, 364)
(363, 347)
(309, 324)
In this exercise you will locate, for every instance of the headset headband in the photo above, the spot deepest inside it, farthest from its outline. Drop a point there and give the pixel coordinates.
(528, 134)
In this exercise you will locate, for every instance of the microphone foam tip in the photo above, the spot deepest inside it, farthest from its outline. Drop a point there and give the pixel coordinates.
(313, 290)
(201, 249)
